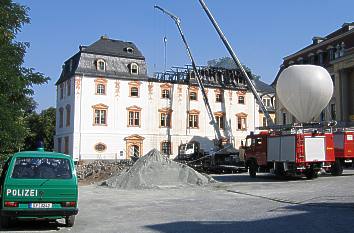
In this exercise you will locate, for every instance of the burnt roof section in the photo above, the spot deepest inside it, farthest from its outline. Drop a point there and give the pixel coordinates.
(110, 47)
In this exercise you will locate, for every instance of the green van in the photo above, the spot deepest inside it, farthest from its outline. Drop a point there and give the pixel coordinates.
(38, 185)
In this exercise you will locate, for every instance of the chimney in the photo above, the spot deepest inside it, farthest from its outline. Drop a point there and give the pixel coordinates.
(317, 40)
(104, 37)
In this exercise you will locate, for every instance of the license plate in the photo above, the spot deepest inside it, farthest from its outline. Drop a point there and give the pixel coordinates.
(40, 205)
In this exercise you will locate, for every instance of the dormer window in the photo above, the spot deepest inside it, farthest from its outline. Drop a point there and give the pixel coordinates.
(134, 68)
(129, 50)
(101, 65)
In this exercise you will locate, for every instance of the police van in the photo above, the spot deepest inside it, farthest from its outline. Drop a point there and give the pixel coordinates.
(39, 185)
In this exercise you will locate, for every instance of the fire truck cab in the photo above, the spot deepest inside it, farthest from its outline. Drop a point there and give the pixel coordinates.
(288, 153)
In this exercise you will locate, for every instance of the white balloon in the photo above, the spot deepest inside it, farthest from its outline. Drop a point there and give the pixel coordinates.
(304, 90)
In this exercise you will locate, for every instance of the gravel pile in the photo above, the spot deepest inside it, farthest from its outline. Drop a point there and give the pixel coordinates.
(156, 171)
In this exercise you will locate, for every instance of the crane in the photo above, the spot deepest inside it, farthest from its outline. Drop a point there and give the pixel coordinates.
(199, 80)
(237, 61)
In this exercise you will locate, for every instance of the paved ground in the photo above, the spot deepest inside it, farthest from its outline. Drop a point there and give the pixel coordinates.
(236, 203)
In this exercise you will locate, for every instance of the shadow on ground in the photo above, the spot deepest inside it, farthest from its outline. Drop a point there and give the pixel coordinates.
(307, 218)
(260, 178)
(25, 226)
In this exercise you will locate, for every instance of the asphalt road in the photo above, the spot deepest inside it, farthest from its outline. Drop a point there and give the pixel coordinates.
(236, 203)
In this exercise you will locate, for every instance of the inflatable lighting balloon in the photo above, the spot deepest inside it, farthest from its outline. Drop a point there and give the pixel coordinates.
(304, 90)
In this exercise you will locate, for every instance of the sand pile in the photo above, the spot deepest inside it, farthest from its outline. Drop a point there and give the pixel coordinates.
(156, 171)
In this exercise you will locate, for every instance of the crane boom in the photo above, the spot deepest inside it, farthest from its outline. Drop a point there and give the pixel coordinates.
(237, 61)
(199, 80)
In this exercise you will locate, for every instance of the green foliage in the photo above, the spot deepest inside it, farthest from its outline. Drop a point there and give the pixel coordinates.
(16, 81)
(41, 127)
(228, 63)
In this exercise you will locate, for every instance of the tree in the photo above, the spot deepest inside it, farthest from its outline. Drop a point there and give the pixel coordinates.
(16, 81)
(228, 63)
(41, 127)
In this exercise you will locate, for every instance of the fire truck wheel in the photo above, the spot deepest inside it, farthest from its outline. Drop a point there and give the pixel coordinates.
(337, 168)
(311, 174)
(252, 169)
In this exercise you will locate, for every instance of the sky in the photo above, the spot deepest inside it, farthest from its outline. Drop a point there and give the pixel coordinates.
(262, 33)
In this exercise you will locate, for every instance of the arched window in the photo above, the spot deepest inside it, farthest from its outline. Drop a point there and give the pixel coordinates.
(101, 85)
(101, 65)
(241, 99)
(134, 68)
(61, 117)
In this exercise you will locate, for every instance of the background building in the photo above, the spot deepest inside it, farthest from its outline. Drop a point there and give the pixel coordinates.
(109, 108)
(335, 52)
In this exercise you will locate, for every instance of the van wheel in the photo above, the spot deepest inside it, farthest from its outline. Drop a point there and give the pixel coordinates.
(70, 220)
(337, 168)
(5, 222)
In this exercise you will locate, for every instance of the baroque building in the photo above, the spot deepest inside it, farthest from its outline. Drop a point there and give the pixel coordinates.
(109, 108)
(334, 52)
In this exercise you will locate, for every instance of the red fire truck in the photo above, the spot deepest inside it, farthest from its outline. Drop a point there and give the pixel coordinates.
(289, 153)
(343, 150)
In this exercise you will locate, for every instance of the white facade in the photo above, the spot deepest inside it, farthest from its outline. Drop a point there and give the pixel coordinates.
(84, 134)
(78, 94)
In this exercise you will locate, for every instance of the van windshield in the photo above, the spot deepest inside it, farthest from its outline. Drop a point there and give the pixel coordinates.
(41, 168)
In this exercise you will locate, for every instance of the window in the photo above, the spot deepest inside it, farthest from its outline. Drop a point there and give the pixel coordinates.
(284, 118)
(333, 111)
(59, 145)
(101, 89)
(193, 95)
(331, 54)
(61, 91)
(166, 148)
(101, 65)
(134, 68)
(69, 87)
(264, 121)
(41, 168)
(165, 94)
(323, 115)
(100, 114)
(218, 97)
(129, 50)
(134, 116)
(134, 92)
(220, 120)
(100, 147)
(241, 121)
(267, 102)
(68, 110)
(320, 57)
(241, 99)
(61, 117)
(66, 145)
(193, 119)
(101, 85)
(100, 117)
(311, 58)
(165, 118)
